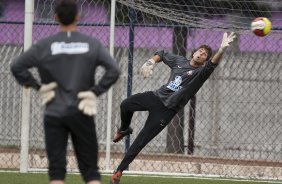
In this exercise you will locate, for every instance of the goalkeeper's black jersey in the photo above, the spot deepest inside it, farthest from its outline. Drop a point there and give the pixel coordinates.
(184, 81)
(70, 59)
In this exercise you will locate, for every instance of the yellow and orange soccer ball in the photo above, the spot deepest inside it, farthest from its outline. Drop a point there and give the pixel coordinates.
(261, 26)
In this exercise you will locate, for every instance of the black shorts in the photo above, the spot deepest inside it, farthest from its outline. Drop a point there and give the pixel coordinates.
(82, 131)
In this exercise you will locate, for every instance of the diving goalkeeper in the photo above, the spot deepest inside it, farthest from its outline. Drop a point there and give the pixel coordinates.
(66, 63)
(186, 78)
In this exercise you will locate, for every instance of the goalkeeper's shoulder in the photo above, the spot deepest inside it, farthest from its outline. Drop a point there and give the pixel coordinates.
(163, 54)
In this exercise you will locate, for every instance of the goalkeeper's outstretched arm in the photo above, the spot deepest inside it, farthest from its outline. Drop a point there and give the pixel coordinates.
(156, 58)
(226, 41)
(147, 68)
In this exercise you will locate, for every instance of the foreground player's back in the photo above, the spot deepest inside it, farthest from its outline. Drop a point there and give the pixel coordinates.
(70, 59)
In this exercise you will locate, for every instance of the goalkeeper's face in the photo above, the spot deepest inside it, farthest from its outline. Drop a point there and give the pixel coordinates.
(200, 56)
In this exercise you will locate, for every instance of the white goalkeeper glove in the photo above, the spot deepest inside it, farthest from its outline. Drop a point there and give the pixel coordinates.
(226, 40)
(88, 103)
(47, 92)
(147, 68)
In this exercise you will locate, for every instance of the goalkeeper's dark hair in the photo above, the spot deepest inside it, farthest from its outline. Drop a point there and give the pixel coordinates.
(208, 50)
(66, 10)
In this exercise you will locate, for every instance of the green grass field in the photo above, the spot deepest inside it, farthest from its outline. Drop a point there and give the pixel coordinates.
(39, 178)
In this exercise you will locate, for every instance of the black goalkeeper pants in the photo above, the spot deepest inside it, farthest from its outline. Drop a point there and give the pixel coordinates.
(158, 118)
(81, 128)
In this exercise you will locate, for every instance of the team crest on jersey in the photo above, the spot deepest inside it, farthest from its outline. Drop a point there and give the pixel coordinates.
(175, 85)
(69, 48)
(190, 72)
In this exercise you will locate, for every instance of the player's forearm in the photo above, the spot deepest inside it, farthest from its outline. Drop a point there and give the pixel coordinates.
(156, 58)
(217, 57)
(23, 76)
(110, 77)
(226, 41)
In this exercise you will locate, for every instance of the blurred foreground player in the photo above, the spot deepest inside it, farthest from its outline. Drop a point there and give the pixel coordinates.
(66, 63)
(186, 78)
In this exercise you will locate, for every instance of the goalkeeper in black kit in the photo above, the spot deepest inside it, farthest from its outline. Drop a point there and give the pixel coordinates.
(186, 78)
(66, 63)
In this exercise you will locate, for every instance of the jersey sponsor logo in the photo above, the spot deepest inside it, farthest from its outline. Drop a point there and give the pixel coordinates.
(69, 48)
(175, 85)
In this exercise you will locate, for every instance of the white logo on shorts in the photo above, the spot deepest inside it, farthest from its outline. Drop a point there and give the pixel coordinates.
(190, 72)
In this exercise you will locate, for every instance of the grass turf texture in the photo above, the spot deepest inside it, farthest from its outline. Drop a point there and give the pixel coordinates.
(42, 178)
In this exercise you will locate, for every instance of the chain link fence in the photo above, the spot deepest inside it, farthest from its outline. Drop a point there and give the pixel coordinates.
(231, 128)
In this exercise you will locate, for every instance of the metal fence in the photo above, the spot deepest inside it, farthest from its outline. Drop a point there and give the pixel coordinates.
(231, 128)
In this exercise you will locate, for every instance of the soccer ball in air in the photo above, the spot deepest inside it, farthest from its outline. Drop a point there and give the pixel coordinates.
(261, 26)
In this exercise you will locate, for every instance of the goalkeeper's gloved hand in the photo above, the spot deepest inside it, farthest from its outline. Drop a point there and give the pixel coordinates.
(47, 92)
(88, 103)
(226, 40)
(147, 68)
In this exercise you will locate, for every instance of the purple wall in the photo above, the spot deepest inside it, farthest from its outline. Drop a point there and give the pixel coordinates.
(14, 11)
(148, 37)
